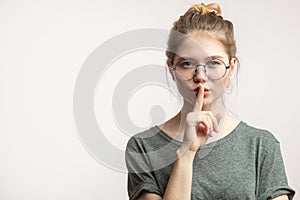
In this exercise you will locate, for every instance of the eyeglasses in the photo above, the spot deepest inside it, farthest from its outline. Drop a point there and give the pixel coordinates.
(214, 69)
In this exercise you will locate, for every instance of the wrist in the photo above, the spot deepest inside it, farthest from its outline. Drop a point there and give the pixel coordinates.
(185, 152)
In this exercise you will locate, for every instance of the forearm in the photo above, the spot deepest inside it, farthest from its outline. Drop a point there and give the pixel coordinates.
(180, 182)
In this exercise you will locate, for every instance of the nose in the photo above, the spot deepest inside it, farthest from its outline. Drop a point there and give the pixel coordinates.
(200, 75)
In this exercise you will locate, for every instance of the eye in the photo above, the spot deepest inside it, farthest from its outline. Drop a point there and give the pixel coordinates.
(214, 63)
(186, 64)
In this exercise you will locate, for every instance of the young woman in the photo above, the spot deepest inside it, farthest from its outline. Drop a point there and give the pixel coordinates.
(204, 152)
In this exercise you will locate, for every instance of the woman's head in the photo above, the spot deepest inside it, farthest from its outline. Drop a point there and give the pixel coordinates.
(206, 19)
(201, 37)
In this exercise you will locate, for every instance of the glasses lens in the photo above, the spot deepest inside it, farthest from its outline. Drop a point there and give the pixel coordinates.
(215, 69)
(185, 70)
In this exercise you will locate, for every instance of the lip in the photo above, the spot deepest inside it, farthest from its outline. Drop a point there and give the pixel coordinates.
(206, 91)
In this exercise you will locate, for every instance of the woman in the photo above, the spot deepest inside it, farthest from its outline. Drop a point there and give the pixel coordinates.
(204, 152)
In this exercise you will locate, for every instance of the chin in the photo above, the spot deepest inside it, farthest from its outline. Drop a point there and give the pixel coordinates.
(207, 101)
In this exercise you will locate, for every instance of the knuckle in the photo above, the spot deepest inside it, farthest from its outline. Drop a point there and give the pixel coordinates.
(207, 118)
(188, 117)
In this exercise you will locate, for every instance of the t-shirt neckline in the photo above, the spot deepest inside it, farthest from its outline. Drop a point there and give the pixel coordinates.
(209, 145)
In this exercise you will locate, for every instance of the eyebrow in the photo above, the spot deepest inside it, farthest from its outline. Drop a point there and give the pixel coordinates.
(185, 58)
(192, 59)
(216, 56)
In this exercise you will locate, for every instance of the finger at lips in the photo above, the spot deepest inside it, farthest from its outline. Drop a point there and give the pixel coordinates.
(199, 101)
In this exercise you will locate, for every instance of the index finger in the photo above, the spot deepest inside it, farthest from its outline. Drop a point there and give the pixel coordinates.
(199, 101)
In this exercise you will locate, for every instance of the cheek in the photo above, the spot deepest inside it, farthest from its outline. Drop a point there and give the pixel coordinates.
(224, 83)
(220, 86)
(185, 89)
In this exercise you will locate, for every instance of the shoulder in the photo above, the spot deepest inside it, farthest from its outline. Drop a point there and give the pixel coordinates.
(256, 142)
(258, 135)
(143, 138)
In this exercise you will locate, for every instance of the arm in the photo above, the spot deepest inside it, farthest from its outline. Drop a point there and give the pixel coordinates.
(180, 182)
(273, 183)
(199, 124)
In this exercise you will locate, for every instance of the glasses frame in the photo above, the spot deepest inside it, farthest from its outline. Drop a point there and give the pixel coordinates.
(204, 66)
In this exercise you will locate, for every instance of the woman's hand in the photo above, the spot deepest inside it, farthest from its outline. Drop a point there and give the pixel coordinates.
(200, 125)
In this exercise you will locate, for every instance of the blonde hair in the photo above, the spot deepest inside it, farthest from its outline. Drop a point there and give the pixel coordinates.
(203, 9)
(207, 18)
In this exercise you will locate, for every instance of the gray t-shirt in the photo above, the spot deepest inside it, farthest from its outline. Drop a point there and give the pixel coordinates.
(245, 164)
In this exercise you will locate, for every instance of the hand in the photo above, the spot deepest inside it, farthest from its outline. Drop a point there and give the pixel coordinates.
(200, 125)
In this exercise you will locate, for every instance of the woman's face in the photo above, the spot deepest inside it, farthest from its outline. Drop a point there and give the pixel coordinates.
(199, 48)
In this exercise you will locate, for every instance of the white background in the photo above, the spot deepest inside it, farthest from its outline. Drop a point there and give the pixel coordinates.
(43, 45)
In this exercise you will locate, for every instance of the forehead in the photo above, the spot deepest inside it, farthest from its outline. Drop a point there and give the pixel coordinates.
(200, 46)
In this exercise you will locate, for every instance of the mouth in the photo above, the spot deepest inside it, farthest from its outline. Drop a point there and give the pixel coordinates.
(206, 91)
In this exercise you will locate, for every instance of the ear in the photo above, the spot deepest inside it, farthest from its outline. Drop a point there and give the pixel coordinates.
(233, 63)
(169, 65)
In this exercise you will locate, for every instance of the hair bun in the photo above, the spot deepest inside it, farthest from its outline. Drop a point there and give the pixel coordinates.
(203, 9)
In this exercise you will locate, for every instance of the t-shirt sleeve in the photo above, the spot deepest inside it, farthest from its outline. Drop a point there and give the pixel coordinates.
(140, 176)
(272, 179)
